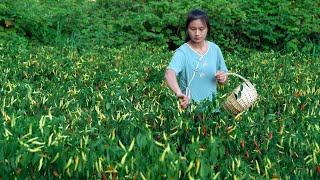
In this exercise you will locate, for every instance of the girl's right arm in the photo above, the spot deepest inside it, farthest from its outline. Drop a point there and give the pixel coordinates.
(172, 83)
(171, 80)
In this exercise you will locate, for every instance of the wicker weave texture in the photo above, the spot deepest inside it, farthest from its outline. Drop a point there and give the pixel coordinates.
(241, 99)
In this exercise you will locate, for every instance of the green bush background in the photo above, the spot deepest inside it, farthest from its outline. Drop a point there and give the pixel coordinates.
(237, 25)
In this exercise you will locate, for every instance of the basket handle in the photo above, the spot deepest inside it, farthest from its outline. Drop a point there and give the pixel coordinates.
(237, 75)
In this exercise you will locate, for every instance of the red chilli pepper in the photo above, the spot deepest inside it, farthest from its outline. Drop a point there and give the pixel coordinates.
(18, 171)
(203, 147)
(204, 130)
(32, 174)
(257, 147)
(103, 177)
(247, 154)
(242, 144)
(114, 175)
(89, 119)
(318, 169)
(280, 129)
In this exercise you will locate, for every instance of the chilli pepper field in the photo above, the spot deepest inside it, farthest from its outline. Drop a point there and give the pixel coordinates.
(106, 113)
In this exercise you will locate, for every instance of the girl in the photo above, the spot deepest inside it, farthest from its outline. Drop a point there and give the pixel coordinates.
(198, 63)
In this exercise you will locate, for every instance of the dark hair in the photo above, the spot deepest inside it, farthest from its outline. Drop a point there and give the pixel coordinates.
(195, 15)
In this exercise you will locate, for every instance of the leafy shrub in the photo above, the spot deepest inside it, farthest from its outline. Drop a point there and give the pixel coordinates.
(48, 22)
(237, 25)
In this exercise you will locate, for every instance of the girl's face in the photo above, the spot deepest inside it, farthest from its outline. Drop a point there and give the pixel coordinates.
(197, 31)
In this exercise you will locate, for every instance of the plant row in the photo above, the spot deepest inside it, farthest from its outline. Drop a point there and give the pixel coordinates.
(107, 113)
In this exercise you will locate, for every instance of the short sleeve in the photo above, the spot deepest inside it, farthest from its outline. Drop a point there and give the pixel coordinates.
(177, 62)
(221, 63)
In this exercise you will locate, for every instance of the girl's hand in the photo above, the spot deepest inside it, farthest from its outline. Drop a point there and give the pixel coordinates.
(221, 76)
(184, 100)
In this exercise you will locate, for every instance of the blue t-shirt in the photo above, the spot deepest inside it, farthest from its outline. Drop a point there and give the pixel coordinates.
(197, 72)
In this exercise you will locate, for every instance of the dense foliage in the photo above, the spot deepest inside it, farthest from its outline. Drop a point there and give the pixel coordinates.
(106, 113)
(243, 26)
(82, 93)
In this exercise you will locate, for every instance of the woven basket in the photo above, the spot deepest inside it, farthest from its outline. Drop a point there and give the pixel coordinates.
(241, 98)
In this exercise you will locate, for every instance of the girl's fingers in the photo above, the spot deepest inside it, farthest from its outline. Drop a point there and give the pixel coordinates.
(219, 72)
(184, 102)
(220, 75)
